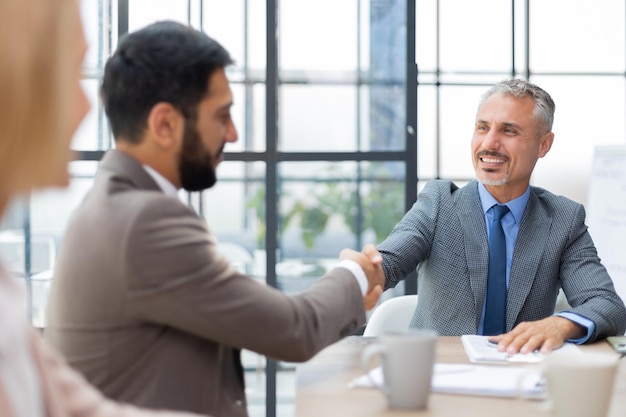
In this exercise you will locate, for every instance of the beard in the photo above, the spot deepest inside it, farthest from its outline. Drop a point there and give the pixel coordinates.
(483, 176)
(487, 181)
(196, 164)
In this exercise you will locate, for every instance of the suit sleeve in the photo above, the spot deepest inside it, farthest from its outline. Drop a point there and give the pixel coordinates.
(176, 277)
(587, 284)
(410, 241)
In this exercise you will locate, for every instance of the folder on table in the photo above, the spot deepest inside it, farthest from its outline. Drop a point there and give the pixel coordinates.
(480, 350)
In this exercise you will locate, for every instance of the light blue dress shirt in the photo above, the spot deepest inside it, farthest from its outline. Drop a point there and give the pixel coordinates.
(510, 224)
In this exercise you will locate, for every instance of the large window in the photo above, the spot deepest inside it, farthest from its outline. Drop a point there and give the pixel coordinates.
(573, 49)
(344, 109)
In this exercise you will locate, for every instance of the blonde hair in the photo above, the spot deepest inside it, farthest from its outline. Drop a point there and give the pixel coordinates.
(36, 47)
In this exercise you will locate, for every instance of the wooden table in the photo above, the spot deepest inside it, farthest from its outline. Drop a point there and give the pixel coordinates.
(322, 387)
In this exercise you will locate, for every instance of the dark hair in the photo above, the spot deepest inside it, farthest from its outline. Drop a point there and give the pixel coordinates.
(164, 62)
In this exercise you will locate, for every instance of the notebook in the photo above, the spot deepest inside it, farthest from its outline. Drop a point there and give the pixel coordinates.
(480, 350)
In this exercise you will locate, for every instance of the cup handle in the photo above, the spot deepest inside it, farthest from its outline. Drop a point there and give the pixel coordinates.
(369, 352)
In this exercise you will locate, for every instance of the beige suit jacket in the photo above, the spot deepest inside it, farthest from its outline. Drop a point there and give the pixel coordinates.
(144, 306)
(67, 394)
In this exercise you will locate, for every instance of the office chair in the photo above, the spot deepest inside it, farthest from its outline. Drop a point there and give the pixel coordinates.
(393, 314)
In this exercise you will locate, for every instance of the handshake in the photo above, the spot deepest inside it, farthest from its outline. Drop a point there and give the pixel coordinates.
(370, 261)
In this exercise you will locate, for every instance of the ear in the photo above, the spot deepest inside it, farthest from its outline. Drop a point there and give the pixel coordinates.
(545, 144)
(165, 125)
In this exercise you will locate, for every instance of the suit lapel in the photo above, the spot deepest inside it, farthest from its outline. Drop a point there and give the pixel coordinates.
(239, 368)
(531, 240)
(476, 248)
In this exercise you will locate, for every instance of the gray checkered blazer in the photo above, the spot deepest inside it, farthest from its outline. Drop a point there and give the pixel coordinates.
(444, 234)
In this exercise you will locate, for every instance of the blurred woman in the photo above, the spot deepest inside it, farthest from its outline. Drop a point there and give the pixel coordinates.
(42, 46)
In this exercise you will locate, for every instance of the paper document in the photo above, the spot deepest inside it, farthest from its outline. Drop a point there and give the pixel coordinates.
(479, 350)
(495, 381)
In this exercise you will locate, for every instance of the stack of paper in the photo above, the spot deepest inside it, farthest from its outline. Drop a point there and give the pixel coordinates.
(499, 381)
(494, 381)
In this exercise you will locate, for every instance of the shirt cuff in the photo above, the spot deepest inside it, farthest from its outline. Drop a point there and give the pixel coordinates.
(357, 272)
(583, 321)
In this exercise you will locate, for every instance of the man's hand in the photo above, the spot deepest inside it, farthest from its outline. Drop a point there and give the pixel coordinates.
(370, 261)
(544, 335)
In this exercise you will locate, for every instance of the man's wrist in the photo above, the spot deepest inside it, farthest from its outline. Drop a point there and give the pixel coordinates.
(357, 272)
(578, 327)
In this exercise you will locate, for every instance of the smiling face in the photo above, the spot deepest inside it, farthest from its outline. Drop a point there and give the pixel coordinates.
(506, 145)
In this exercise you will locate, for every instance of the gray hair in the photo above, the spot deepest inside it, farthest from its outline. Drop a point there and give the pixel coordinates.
(519, 88)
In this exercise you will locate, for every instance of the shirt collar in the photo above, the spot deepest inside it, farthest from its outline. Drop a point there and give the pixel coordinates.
(168, 188)
(517, 206)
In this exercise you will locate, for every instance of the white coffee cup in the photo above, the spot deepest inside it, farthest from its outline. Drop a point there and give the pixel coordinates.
(580, 385)
(407, 360)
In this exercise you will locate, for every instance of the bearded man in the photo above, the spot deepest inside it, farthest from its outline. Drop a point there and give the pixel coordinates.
(142, 302)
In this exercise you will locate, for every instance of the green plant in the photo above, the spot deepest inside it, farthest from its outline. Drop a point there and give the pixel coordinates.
(381, 199)
(330, 198)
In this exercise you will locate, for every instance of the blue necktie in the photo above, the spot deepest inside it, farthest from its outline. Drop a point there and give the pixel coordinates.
(495, 308)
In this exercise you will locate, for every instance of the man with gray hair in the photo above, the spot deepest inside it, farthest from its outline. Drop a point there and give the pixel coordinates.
(493, 255)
